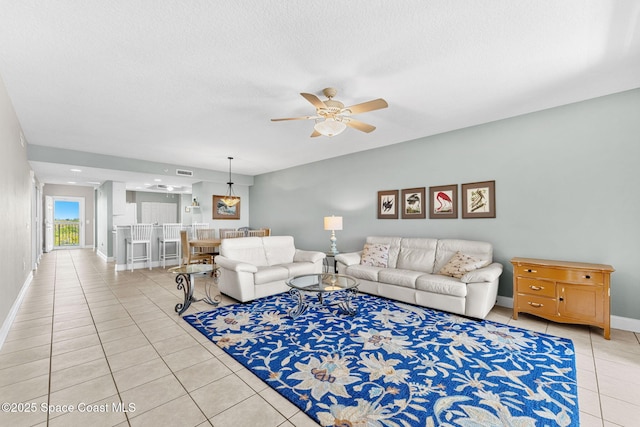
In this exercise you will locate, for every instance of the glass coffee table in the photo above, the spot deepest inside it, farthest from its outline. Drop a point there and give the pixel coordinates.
(185, 276)
(323, 284)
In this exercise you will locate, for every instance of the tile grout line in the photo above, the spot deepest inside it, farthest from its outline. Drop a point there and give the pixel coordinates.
(162, 357)
(84, 295)
(53, 322)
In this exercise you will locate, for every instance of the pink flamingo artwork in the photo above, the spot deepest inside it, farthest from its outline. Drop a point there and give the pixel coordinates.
(447, 206)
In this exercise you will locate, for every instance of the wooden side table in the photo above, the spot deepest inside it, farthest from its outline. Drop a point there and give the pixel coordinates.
(327, 265)
(563, 291)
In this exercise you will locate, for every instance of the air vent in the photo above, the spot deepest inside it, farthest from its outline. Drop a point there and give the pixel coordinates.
(184, 172)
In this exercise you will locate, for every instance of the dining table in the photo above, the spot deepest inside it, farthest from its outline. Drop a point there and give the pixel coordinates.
(204, 243)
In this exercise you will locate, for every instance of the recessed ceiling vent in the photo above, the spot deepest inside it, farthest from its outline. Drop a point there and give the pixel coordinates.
(184, 172)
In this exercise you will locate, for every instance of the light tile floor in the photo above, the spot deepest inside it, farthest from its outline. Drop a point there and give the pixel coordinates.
(110, 344)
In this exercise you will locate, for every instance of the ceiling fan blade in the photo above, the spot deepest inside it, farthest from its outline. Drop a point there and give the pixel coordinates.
(295, 118)
(376, 104)
(315, 133)
(361, 126)
(314, 100)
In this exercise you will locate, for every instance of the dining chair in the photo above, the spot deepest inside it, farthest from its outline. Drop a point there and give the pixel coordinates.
(171, 235)
(188, 257)
(256, 233)
(206, 233)
(139, 234)
(232, 234)
(223, 232)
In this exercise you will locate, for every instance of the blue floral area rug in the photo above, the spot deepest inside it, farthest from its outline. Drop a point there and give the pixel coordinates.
(394, 364)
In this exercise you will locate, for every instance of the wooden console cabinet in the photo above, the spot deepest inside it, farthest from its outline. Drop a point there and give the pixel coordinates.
(562, 291)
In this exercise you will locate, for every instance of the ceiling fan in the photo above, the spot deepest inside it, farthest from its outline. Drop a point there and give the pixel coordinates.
(332, 117)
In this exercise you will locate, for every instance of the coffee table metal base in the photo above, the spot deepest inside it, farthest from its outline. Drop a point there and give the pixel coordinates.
(344, 304)
(186, 283)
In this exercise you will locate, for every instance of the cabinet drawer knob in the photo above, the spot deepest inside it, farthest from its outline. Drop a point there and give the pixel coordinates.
(536, 288)
(587, 276)
(529, 270)
(536, 304)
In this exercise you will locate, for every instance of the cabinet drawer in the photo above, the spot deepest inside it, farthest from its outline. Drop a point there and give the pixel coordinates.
(537, 305)
(584, 277)
(536, 287)
(572, 276)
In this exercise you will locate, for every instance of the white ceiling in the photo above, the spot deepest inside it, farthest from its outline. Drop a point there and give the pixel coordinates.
(192, 82)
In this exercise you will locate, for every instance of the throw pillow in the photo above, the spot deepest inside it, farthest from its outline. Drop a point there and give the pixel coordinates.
(375, 255)
(459, 264)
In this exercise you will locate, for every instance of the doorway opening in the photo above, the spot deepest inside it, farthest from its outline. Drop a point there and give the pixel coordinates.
(68, 222)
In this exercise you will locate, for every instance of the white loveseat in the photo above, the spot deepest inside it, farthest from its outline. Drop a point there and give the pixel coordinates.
(411, 274)
(255, 267)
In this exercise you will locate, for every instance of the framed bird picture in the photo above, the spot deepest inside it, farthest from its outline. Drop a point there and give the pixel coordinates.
(413, 204)
(443, 201)
(479, 199)
(388, 204)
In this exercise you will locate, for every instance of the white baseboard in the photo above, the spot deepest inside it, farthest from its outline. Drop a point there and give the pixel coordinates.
(625, 323)
(104, 257)
(505, 302)
(8, 321)
(617, 322)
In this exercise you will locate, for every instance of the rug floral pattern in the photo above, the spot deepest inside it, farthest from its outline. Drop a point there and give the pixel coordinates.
(395, 364)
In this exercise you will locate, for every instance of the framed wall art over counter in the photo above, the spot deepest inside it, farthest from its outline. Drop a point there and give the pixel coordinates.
(413, 205)
(443, 201)
(388, 204)
(222, 211)
(479, 200)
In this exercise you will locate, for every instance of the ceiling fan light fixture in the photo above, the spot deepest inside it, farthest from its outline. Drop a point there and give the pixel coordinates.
(230, 199)
(330, 127)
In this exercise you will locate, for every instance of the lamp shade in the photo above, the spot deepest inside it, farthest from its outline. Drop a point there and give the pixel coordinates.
(333, 223)
(330, 127)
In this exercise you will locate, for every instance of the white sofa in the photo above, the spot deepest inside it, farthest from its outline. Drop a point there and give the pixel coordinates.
(411, 274)
(256, 267)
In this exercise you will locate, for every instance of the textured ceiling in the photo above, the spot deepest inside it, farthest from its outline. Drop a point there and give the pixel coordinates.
(192, 82)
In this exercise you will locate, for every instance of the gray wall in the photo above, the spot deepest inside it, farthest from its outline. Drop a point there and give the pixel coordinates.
(15, 216)
(567, 184)
(88, 193)
(204, 192)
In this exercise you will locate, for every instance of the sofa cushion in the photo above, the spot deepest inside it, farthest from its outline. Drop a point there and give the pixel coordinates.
(299, 268)
(375, 255)
(444, 285)
(460, 264)
(247, 249)
(266, 274)
(278, 249)
(398, 277)
(365, 272)
(446, 248)
(417, 254)
(394, 247)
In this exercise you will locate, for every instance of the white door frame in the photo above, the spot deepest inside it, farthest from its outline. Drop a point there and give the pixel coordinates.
(48, 224)
(81, 218)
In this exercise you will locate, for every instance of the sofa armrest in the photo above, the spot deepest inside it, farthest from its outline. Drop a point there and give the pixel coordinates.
(484, 274)
(350, 258)
(233, 265)
(308, 256)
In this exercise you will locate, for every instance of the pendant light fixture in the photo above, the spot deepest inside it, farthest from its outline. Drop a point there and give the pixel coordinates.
(230, 199)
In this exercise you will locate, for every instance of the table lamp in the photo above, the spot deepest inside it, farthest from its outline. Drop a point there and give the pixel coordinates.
(333, 223)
